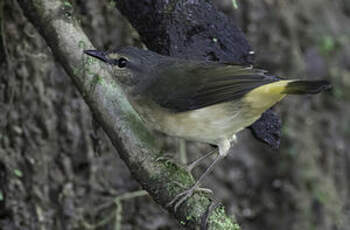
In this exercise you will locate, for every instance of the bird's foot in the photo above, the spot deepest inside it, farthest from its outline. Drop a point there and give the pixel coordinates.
(183, 196)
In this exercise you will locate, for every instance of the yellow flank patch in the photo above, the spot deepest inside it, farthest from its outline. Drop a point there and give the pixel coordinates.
(265, 96)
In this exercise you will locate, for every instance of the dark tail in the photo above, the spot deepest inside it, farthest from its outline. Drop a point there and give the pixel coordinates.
(306, 87)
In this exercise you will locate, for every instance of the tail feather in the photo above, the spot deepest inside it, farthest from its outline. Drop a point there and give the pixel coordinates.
(306, 87)
(265, 96)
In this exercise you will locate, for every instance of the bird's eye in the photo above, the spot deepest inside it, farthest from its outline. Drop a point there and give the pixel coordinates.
(122, 62)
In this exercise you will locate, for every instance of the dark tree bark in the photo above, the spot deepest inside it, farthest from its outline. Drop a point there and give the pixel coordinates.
(2, 48)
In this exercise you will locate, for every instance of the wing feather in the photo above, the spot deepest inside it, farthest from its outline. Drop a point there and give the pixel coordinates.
(190, 86)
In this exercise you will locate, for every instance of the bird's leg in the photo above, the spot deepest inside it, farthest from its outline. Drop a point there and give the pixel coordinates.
(194, 163)
(183, 196)
(182, 151)
(189, 167)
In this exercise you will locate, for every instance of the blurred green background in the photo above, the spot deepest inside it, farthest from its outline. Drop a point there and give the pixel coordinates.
(58, 170)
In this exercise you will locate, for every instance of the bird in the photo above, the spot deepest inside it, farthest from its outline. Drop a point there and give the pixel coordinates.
(198, 100)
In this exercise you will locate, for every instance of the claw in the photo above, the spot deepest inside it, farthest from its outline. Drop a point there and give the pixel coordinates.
(183, 196)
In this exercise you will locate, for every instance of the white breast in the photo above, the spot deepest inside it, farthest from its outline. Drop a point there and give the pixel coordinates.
(214, 124)
(210, 124)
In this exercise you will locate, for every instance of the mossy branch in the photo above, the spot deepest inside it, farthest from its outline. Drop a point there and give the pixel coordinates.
(136, 145)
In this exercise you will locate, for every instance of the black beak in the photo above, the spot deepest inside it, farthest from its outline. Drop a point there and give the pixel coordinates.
(98, 54)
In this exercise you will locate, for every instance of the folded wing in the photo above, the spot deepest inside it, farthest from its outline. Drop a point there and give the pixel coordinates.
(193, 86)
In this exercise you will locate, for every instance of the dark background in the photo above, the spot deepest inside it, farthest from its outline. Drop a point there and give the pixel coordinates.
(58, 170)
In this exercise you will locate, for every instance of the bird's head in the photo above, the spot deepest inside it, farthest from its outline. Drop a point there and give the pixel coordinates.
(131, 66)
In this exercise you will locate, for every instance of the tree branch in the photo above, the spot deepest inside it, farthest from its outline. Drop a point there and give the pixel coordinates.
(136, 145)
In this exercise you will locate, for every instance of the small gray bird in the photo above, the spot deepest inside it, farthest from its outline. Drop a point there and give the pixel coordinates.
(198, 100)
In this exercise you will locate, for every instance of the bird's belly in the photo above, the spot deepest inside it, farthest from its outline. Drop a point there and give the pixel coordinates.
(210, 124)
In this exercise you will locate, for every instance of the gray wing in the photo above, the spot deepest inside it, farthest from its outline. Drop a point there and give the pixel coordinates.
(188, 86)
